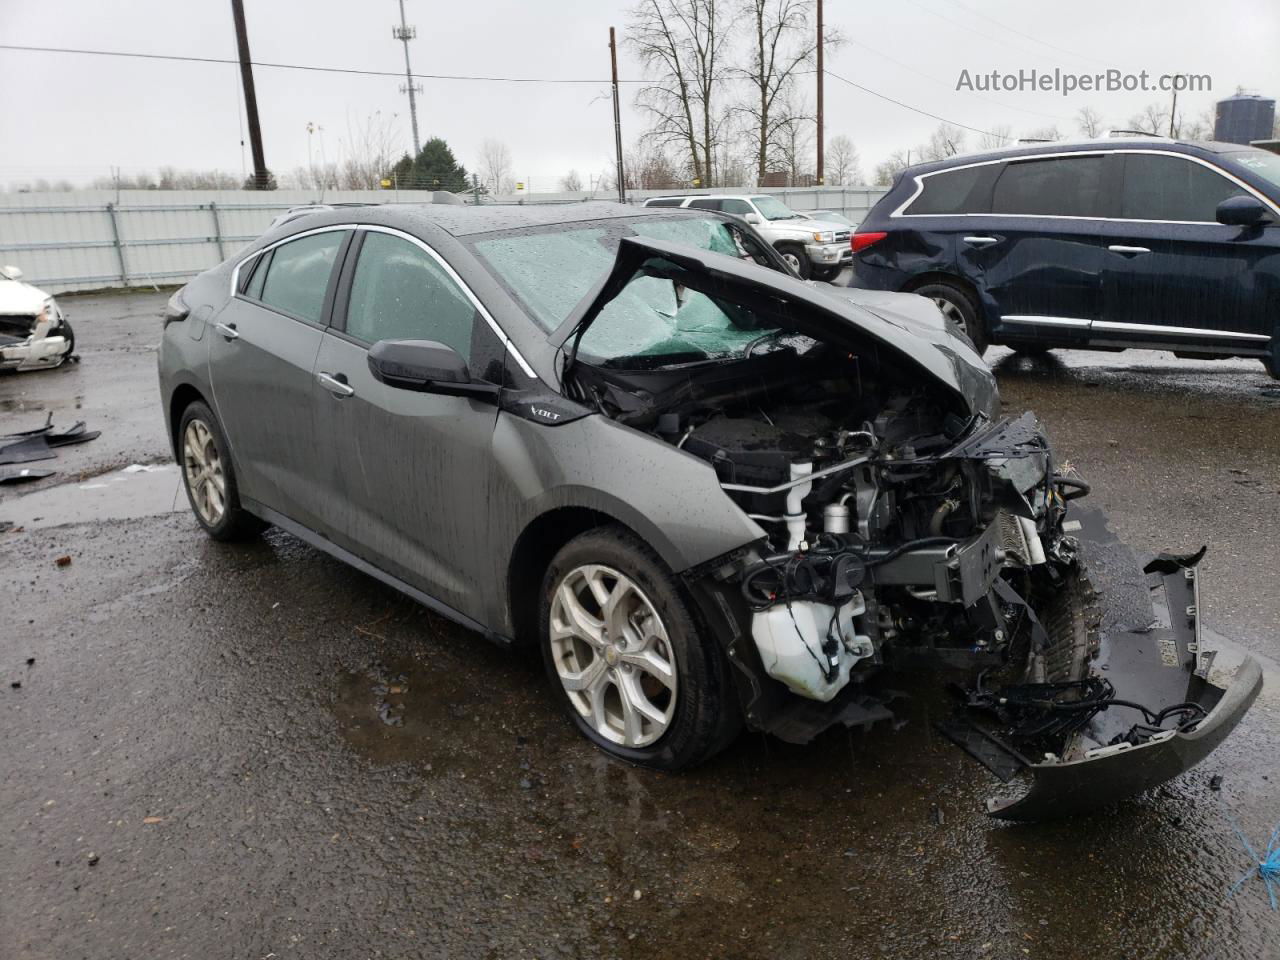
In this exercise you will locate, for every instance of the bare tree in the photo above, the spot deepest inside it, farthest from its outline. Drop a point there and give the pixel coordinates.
(680, 43)
(781, 42)
(1199, 127)
(368, 152)
(1089, 122)
(995, 138)
(571, 182)
(842, 162)
(888, 171)
(1154, 119)
(794, 140)
(1050, 132)
(946, 141)
(495, 166)
(648, 166)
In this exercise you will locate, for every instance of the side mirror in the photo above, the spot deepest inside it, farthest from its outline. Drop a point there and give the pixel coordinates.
(10, 273)
(752, 218)
(1242, 211)
(425, 366)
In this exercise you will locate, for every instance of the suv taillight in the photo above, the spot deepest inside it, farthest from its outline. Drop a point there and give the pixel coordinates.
(860, 241)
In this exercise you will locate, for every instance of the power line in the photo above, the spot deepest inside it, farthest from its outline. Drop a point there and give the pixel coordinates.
(299, 66)
(176, 58)
(907, 106)
(1028, 36)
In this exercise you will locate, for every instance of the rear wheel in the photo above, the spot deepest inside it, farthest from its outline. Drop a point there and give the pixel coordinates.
(210, 479)
(959, 310)
(794, 254)
(626, 657)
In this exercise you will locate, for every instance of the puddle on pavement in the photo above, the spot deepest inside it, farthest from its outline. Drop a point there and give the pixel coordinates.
(136, 491)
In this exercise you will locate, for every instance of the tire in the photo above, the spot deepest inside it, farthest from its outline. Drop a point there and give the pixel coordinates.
(960, 311)
(794, 254)
(201, 445)
(616, 701)
(824, 273)
(71, 339)
(1272, 362)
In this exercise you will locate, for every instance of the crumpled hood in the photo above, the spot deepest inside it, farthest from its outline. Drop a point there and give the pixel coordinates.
(17, 298)
(909, 327)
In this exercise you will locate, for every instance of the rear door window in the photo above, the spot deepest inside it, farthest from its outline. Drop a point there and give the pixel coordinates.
(1059, 187)
(702, 203)
(966, 190)
(665, 202)
(738, 207)
(297, 277)
(1165, 187)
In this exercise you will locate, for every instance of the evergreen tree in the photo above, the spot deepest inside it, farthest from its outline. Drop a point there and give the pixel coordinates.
(434, 168)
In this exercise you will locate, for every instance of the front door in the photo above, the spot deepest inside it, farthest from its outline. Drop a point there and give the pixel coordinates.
(408, 473)
(263, 351)
(1173, 275)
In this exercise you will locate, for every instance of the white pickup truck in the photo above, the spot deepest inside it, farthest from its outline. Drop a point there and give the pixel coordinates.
(816, 249)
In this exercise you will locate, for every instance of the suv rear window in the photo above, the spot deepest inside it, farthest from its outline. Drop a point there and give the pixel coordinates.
(1060, 187)
(665, 202)
(702, 203)
(1172, 188)
(953, 191)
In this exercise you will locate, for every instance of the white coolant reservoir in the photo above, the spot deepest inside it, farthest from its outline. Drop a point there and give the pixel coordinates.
(790, 639)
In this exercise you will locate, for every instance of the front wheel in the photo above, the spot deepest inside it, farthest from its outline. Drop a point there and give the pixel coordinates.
(626, 657)
(825, 273)
(960, 312)
(798, 260)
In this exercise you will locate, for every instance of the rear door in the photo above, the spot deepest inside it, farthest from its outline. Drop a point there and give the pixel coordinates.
(1037, 254)
(408, 474)
(1173, 275)
(263, 348)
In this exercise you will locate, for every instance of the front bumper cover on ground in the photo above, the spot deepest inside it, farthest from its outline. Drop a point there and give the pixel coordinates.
(1150, 651)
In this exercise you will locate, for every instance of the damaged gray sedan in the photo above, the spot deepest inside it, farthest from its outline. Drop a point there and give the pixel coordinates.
(714, 494)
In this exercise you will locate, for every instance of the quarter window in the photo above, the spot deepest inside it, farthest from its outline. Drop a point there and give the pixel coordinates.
(953, 191)
(399, 292)
(702, 203)
(1061, 187)
(1172, 188)
(298, 275)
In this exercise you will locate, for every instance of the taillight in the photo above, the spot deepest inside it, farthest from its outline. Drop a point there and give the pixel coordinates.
(860, 241)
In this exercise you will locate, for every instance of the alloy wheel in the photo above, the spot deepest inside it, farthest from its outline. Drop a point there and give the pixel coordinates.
(613, 656)
(952, 314)
(206, 480)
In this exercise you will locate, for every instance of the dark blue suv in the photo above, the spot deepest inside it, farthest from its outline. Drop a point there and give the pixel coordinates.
(1101, 245)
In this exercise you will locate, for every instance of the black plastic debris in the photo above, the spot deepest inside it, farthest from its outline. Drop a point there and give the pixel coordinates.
(25, 475)
(40, 444)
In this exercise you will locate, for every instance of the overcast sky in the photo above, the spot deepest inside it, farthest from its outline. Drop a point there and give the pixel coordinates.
(73, 117)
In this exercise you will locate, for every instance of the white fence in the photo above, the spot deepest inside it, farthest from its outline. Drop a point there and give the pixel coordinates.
(101, 238)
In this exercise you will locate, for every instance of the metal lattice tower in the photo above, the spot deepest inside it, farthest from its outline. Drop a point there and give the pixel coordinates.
(404, 33)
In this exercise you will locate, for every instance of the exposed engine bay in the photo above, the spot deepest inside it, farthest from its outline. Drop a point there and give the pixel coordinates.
(897, 531)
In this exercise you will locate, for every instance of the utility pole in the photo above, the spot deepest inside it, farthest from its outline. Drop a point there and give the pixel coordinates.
(617, 117)
(260, 175)
(404, 33)
(822, 147)
(1173, 112)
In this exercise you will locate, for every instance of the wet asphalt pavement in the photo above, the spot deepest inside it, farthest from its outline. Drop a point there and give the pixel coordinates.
(254, 751)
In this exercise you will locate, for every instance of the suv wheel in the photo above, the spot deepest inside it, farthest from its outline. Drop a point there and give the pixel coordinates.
(210, 479)
(959, 310)
(626, 656)
(824, 273)
(798, 260)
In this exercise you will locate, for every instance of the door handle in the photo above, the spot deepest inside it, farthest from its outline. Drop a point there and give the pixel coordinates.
(337, 385)
(981, 241)
(1131, 250)
(228, 331)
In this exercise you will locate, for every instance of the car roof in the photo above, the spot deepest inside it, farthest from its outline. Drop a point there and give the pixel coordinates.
(1074, 146)
(708, 196)
(462, 221)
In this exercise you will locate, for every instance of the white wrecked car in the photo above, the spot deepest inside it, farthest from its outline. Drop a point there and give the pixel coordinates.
(34, 332)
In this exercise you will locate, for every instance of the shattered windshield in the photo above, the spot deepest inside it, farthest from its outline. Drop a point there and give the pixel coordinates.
(654, 320)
